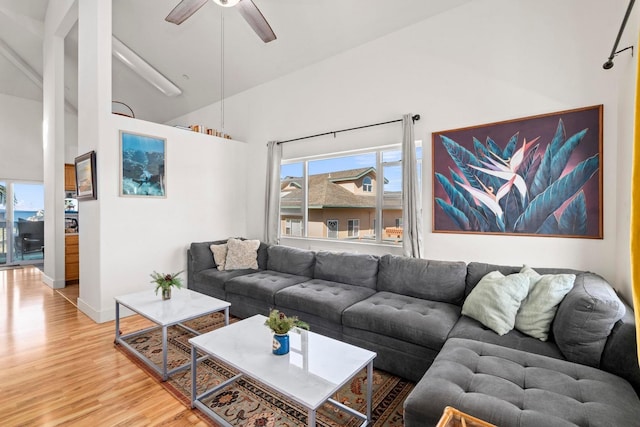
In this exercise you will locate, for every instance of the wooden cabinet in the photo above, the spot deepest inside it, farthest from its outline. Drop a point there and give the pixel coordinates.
(71, 258)
(69, 177)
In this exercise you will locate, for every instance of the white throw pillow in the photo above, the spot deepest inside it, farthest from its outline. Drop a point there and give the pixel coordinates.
(539, 307)
(495, 300)
(219, 255)
(242, 254)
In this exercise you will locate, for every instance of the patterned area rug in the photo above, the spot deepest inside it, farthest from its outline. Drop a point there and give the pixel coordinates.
(248, 403)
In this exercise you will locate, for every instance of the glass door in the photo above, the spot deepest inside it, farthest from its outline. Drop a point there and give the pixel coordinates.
(21, 223)
(3, 224)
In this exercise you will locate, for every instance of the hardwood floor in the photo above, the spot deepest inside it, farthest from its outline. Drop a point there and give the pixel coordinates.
(59, 368)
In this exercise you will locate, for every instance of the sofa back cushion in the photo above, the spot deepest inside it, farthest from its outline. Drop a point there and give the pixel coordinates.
(585, 318)
(349, 268)
(442, 281)
(291, 260)
(202, 256)
(477, 270)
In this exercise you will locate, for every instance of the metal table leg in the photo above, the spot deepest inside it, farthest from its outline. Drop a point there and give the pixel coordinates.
(311, 420)
(164, 353)
(117, 322)
(194, 367)
(369, 389)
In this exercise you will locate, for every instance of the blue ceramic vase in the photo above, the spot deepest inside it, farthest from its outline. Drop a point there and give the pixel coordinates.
(280, 344)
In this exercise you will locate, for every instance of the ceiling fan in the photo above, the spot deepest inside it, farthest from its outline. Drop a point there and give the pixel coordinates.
(247, 9)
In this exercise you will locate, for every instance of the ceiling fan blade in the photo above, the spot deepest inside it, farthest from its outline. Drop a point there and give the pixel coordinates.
(184, 10)
(256, 20)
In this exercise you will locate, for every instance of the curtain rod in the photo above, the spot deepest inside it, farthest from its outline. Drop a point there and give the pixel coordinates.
(609, 64)
(415, 118)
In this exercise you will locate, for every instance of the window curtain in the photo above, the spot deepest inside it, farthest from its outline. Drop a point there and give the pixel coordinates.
(272, 200)
(635, 210)
(411, 196)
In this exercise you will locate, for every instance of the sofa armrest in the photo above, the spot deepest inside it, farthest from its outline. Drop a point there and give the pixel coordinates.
(620, 355)
(189, 269)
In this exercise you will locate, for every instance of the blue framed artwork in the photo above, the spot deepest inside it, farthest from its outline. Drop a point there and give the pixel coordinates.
(536, 176)
(142, 165)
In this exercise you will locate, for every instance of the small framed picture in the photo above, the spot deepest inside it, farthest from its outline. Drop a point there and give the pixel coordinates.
(142, 165)
(85, 166)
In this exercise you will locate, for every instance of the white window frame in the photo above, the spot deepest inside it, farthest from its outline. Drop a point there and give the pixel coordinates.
(367, 188)
(288, 224)
(337, 230)
(353, 227)
(379, 190)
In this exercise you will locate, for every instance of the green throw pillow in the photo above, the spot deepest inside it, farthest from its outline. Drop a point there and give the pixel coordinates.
(539, 308)
(495, 300)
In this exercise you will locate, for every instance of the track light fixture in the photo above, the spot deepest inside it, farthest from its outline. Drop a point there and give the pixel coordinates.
(143, 68)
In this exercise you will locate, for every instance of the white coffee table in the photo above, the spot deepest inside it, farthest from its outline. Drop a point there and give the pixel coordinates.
(184, 305)
(313, 371)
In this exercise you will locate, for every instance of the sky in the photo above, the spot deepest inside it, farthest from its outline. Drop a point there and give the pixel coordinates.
(30, 197)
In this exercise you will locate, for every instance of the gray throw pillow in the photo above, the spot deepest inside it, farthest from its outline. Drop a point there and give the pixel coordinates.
(585, 318)
(495, 300)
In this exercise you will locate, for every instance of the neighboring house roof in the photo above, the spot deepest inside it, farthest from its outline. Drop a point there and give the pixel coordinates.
(325, 193)
(348, 175)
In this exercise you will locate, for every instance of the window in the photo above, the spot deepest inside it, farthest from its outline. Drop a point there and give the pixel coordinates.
(21, 222)
(332, 228)
(367, 187)
(319, 194)
(293, 227)
(353, 228)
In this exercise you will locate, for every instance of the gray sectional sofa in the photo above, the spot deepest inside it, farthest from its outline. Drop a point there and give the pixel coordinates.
(409, 312)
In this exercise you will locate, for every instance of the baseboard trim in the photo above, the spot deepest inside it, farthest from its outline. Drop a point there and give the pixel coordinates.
(52, 283)
(104, 315)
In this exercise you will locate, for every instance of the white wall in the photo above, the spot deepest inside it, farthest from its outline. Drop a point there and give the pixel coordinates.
(135, 236)
(485, 61)
(20, 139)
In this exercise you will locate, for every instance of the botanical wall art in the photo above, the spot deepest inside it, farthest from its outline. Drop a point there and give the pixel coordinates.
(142, 165)
(539, 175)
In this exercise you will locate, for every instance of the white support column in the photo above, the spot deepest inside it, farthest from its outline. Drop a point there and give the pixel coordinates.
(53, 161)
(94, 133)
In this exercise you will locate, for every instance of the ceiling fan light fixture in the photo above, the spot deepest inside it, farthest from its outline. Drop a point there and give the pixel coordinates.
(226, 3)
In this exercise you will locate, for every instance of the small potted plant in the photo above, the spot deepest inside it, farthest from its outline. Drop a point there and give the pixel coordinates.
(281, 324)
(165, 282)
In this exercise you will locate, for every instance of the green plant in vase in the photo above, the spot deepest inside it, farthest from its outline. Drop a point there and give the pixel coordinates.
(166, 282)
(281, 324)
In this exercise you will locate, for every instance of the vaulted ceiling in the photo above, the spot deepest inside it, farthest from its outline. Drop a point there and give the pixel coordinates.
(190, 55)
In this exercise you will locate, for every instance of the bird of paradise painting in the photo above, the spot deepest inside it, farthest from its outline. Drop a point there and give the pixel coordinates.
(539, 175)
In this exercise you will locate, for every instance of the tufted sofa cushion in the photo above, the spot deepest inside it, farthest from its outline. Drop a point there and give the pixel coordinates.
(418, 321)
(509, 387)
(262, 285)
(322, 298)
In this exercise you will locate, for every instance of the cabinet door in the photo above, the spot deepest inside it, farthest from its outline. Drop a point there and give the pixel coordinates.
(69, 177)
